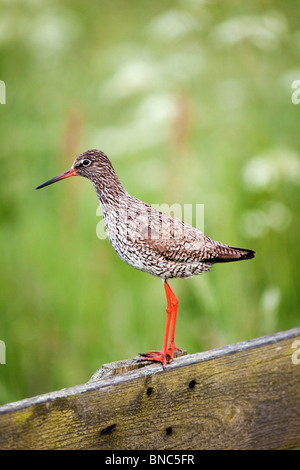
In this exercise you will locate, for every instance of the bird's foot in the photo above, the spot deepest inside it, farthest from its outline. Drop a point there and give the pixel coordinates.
(159, 356)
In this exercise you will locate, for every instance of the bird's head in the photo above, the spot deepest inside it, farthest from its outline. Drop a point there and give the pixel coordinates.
(91, 164)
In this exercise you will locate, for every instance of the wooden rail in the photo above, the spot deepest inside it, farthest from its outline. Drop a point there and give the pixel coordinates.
(241, 396)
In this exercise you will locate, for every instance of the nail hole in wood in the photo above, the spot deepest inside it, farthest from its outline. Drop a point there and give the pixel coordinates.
(108, 429)
(168, 430)
(192, 383)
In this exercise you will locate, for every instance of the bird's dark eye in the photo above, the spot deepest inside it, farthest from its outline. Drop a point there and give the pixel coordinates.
(86, 162)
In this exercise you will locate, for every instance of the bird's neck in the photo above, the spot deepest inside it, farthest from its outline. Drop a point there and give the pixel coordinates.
(110, 193)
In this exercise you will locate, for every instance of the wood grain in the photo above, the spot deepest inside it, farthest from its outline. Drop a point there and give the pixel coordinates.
(241, 396)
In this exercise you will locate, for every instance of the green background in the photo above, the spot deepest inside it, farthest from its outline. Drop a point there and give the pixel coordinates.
(191, 100)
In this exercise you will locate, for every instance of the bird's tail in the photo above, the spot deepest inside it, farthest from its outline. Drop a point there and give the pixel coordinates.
(226, 253)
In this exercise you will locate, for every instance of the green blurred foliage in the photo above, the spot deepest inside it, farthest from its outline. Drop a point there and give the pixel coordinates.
(191, 100)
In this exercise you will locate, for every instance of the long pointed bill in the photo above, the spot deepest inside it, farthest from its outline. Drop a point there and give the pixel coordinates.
(66, 174)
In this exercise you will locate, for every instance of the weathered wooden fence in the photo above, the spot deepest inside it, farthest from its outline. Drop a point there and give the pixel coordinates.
(241, 396)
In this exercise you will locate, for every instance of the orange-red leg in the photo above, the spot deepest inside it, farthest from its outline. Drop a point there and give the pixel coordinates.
(167, 352)
(174, 305)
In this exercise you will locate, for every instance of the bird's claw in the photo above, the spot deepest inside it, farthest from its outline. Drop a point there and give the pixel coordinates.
(159, 356)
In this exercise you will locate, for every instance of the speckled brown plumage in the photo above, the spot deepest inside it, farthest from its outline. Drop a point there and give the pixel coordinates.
(147, 239)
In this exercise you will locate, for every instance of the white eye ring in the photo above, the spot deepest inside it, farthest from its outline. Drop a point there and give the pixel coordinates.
(86, 162)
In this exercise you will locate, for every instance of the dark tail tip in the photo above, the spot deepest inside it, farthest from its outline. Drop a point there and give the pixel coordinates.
(231, 253)
(248, 254)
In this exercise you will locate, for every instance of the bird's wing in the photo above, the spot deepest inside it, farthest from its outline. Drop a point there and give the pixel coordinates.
(170, 237)
(186, 244)
(176, 240)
